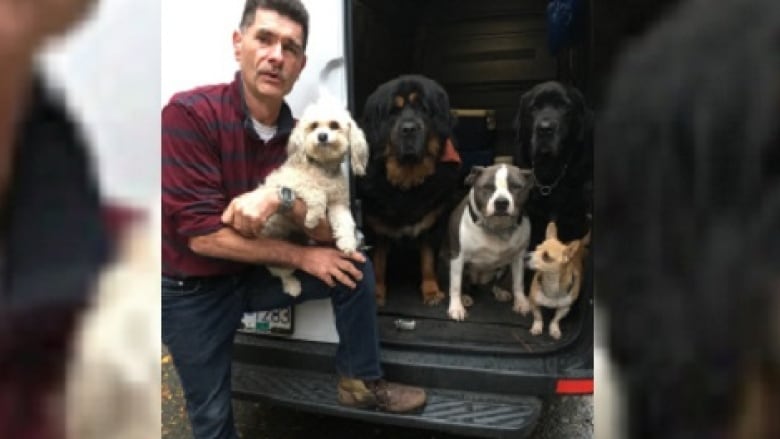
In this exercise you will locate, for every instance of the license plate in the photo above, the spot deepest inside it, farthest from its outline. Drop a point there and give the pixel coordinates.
(277, 321)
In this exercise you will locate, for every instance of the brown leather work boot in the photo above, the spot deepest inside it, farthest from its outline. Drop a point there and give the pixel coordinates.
(380, 394)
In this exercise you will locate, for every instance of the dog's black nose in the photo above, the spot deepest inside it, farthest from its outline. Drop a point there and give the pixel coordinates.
(322, 137)
(408, 128)
(501, 205)
(546, 128)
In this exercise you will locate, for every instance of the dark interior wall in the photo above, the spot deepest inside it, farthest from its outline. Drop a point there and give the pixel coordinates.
(486, 53)
(383, 39)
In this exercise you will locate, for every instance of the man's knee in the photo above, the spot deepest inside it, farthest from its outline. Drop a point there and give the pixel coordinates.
(364, 286)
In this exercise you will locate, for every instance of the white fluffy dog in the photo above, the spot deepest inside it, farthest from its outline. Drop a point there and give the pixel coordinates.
(113, 381)
(324, 136)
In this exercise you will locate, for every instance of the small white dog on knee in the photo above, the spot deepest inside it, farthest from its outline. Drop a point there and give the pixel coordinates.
(324, 136)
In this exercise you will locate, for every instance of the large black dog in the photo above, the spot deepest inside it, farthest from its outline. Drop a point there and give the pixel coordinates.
(554, 130)
(412, 175)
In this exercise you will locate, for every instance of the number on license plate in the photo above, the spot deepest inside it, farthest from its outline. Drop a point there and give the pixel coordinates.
(277, 321)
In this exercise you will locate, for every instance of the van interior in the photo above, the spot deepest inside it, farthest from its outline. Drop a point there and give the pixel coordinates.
(485, 54)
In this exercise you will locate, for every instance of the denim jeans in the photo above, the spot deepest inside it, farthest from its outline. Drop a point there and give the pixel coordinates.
(200, 318)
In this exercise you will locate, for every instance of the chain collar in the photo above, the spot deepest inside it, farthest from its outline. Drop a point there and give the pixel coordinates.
(546, 189)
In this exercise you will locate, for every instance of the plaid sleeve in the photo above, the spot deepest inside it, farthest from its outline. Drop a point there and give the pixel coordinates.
(192, 195)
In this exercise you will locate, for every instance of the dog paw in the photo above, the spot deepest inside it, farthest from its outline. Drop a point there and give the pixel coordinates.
(431, 293)
(555, 331)
(501, 294)
(466, 300)
(433, 298)
(521, 306)
(457, 312)
(292, 287)
(347, 245)
(536, 328)
(310, 222)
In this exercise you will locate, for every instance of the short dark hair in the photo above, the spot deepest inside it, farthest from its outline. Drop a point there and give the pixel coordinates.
(293, 9)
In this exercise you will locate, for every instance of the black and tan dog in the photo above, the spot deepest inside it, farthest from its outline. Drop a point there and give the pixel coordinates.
(412, 173)
(554, 130)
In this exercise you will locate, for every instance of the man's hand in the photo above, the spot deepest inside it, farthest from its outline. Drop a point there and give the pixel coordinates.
(331, 265)
(249, 212)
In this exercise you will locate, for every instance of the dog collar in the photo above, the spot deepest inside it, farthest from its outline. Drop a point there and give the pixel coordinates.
(475, 216)
(546, 189)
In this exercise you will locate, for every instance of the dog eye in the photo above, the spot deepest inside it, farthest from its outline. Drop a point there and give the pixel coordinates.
(489, 187)
(334, 125)
(546, 257)
(313, 126)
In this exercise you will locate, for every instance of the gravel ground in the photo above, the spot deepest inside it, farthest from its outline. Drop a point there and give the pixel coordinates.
(565, 418)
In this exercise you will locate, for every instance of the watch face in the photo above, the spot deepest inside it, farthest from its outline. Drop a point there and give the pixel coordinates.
(287, 197)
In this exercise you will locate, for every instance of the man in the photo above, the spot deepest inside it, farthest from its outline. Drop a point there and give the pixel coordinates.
(214, 262)
(52, 242)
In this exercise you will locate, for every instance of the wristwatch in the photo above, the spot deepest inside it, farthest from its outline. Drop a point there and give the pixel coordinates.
(286, 199)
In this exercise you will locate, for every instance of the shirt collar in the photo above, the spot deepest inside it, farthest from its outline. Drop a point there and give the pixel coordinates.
(284, 122)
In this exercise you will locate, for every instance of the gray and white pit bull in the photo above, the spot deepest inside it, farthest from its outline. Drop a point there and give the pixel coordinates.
(488, 232)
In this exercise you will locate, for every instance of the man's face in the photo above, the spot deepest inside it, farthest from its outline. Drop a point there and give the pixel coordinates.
(270, 54)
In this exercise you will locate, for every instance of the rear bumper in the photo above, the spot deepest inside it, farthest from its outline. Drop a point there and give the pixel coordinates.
(470, 413)
(480, 395)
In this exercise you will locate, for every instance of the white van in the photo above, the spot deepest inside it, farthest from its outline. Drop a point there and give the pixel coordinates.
(486, 376)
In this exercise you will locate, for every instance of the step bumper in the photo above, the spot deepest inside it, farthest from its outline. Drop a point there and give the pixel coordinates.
(466, 413)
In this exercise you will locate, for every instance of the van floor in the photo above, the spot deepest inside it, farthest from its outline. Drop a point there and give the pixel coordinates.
(490, 326)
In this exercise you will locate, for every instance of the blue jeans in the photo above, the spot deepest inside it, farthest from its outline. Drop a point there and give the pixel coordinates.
(200, 318)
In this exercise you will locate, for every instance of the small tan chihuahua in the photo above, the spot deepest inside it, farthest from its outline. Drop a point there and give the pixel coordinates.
(558, 277)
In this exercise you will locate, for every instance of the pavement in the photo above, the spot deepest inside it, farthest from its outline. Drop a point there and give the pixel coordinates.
(565, 418)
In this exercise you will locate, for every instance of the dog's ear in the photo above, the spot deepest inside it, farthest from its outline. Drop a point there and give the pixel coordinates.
(296, 152)
(439, 106)
(583, 117)
(522, 129)
(473, 175)
(358, 149)
(528, 175)
(375, 115)
(571, 249)
(552, 231)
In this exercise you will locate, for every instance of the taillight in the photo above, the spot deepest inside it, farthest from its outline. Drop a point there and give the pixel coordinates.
(574, 387)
